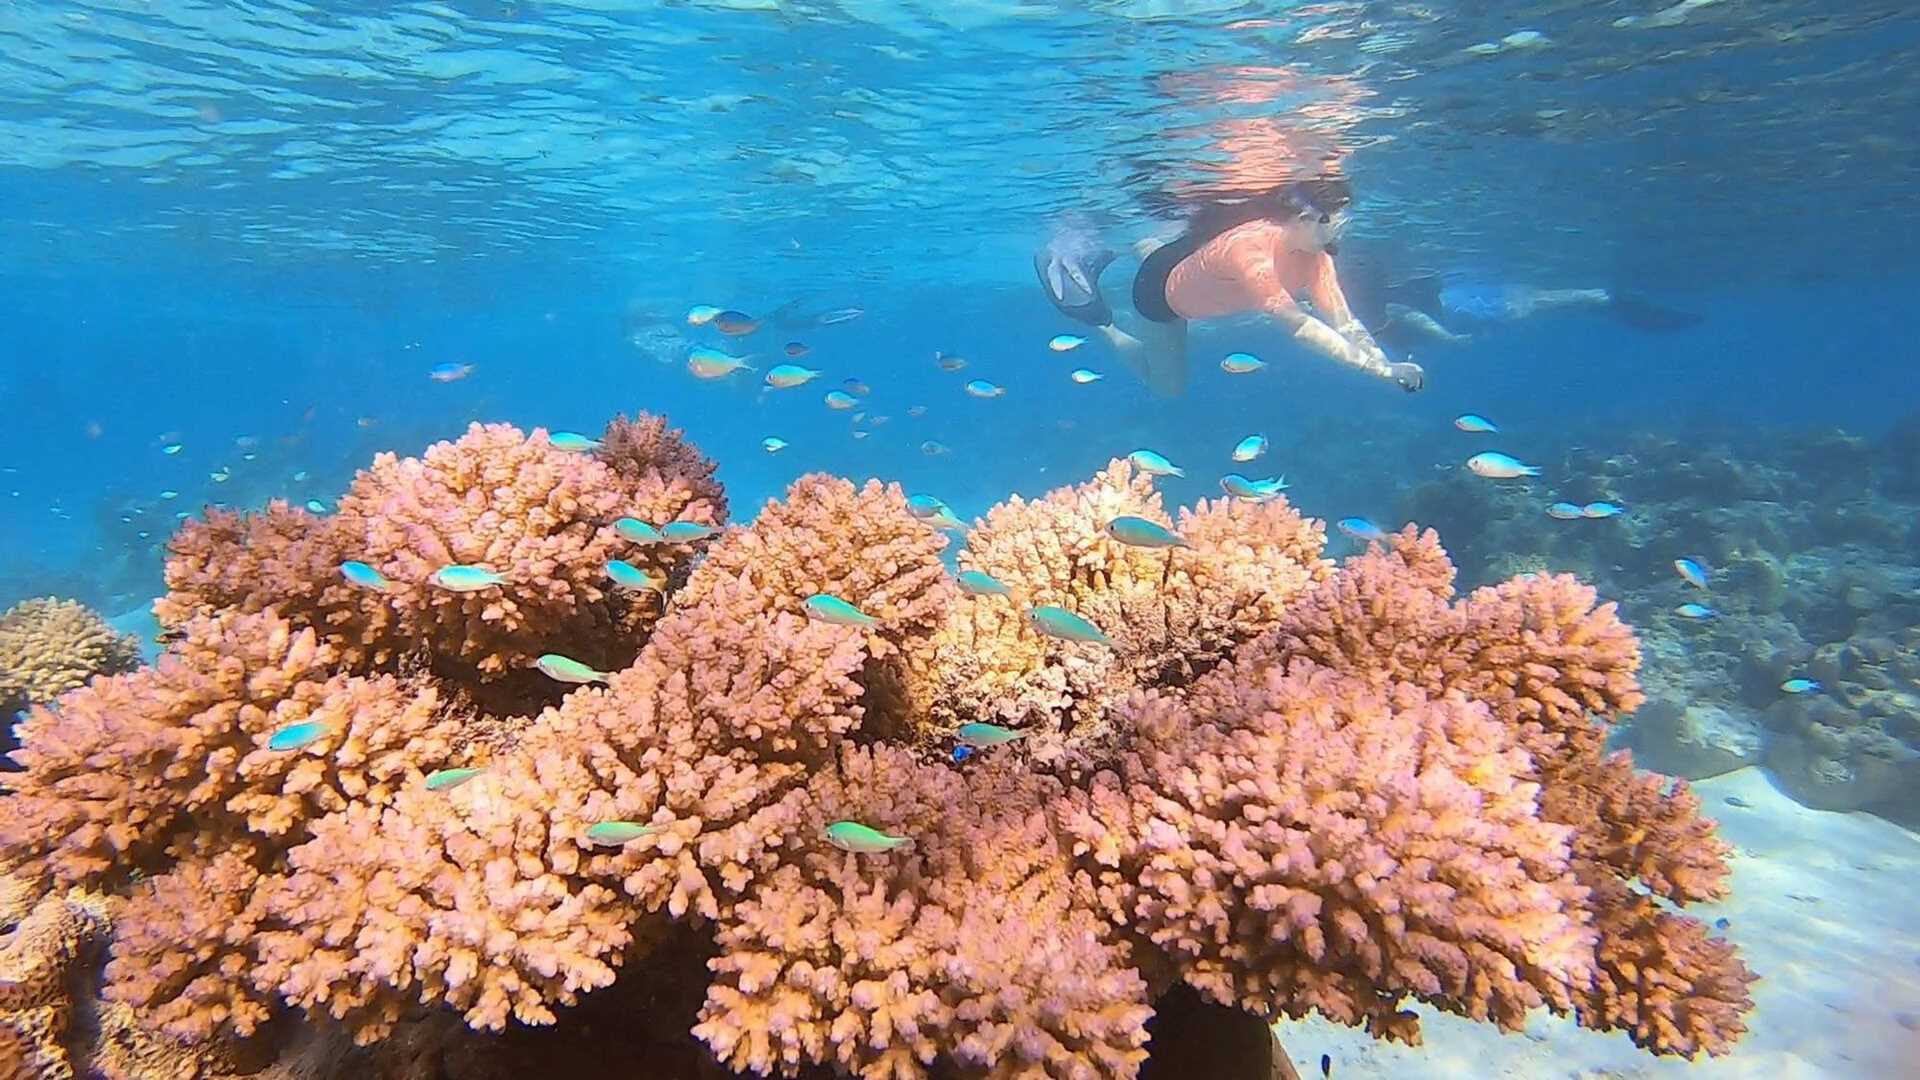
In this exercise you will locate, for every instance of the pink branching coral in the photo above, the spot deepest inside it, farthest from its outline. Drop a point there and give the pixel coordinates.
(1293, 787)
(1346, 846)
(1546, 659)
(828, 536)
(487, 896)
(977, 948)
(511, 503)
(675, 480)
(135, 769)
(540, 517)
(231, 563)
(1172, 613)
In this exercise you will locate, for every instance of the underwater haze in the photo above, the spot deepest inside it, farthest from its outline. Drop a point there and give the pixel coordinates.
(1622, 289)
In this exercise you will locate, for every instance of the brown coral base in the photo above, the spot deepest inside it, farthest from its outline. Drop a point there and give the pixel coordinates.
(1193, 1037)
(638, 1028)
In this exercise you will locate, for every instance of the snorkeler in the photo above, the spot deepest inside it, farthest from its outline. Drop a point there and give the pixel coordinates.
(1428, 307)
(1255, 255)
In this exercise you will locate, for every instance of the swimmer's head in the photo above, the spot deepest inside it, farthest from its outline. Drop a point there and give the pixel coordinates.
(1315, 211)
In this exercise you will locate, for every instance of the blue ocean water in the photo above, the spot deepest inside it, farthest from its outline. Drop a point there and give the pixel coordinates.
(249, 230)
(268, 221)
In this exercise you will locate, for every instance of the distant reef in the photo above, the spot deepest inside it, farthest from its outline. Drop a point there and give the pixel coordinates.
(1811, 547)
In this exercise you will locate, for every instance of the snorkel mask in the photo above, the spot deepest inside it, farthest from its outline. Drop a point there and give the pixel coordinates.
(1318, 209)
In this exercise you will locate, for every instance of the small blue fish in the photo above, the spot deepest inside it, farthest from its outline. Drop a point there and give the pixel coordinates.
(773, 444)
(962, 753)
(702, 314)
(1499, 466)
(735, 323)
(976, 583)
(1065, 342)
(628, 576)
(364, 576)
(1139, 532)
(1058, 622)
(983, 736)
(1566, 511)
(1258, 490)
(637, 531)
(832, 609)
(1249, 448)
(860, 839)
(618, 833)
(787, 376)
(1477, 425)
(1361, 529)
(710, 363)
(840, 400)
(171, 449)
(686, 532)
(1691, 572)
(1601, 510)
(1241, 363)
(1801, 686)
(465, 579)
(448, 779)
(1154, 464)
(297, 736)
(568, 670)
(315, 506)
(1695, 611)
(449, 372)
(1083, 376)
(856, 387)
(1238, 486)
(981, 388)
(929, 509)
(572, 442)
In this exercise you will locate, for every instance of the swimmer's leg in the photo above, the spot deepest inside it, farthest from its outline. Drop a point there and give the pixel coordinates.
(1546, 298)
(1632, 311)
(1156, 353)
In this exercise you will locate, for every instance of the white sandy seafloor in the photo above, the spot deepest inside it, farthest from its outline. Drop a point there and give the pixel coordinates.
(1825, 908)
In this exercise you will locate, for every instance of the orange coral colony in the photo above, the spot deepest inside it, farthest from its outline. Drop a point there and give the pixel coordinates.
(1292, 786)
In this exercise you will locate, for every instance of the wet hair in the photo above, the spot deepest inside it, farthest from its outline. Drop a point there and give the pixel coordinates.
(1320, 197)
(1326, 195)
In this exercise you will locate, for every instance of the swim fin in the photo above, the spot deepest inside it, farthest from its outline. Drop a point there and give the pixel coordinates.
(1071, 280)
(1642, 315)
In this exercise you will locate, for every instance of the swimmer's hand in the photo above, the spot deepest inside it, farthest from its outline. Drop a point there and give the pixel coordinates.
(1407, 375)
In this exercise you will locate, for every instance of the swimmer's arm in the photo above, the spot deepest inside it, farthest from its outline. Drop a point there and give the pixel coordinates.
(1331, 300)
(1324, 339)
